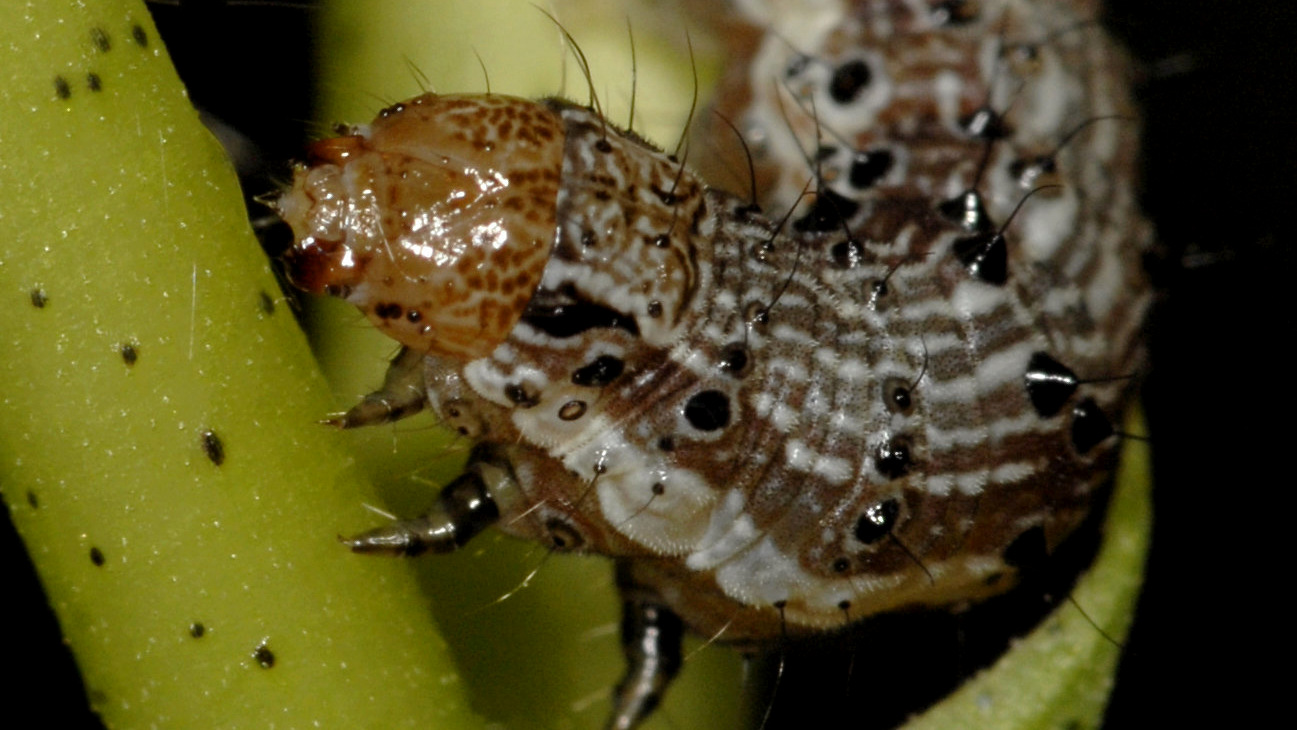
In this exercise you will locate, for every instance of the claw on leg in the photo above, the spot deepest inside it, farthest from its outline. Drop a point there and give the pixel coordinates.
(403, 394)
(464, 509)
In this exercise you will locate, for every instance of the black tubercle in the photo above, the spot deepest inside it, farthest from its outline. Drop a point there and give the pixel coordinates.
(893, 458)
(1028, 550)
(986, 255)
(735, 359)
(877, 521)
(849, 80)
(1090, 426)
(968, 211)
(955, 12)
(708, 410)
(388, 310)
(985, 123)
(521, 395)
(897, 395)
(562, 536)
(847, 254)
(1031, 169)
(599, 372)
(1049, 384)
(572, 410)
(564, 313)
(827, 213)
(867, 168)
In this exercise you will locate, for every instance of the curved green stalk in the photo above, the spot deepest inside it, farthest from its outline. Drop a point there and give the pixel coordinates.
(158, 446)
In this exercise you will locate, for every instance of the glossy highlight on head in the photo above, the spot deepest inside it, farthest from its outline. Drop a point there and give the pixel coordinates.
(436, 220)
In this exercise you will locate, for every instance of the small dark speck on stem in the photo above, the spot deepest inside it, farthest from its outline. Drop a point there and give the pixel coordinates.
(213, 447)
(264, 656)
(100, 38)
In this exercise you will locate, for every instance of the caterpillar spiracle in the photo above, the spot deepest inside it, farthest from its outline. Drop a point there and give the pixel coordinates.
(884, 379)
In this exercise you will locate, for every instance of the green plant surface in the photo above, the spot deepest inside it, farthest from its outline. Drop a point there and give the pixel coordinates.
(159, 452)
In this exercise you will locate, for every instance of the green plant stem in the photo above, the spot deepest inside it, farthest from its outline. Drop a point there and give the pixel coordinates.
(158, 447)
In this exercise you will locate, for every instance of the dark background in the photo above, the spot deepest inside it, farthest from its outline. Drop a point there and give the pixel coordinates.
(1221, 156)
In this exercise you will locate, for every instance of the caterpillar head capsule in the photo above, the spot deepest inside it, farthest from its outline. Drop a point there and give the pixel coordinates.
(436, 220)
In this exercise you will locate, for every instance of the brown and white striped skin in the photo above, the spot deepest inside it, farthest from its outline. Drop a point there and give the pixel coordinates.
(780, 428)
(985, 466)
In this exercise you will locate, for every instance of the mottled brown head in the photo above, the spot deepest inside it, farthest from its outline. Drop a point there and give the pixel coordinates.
(436, 220)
